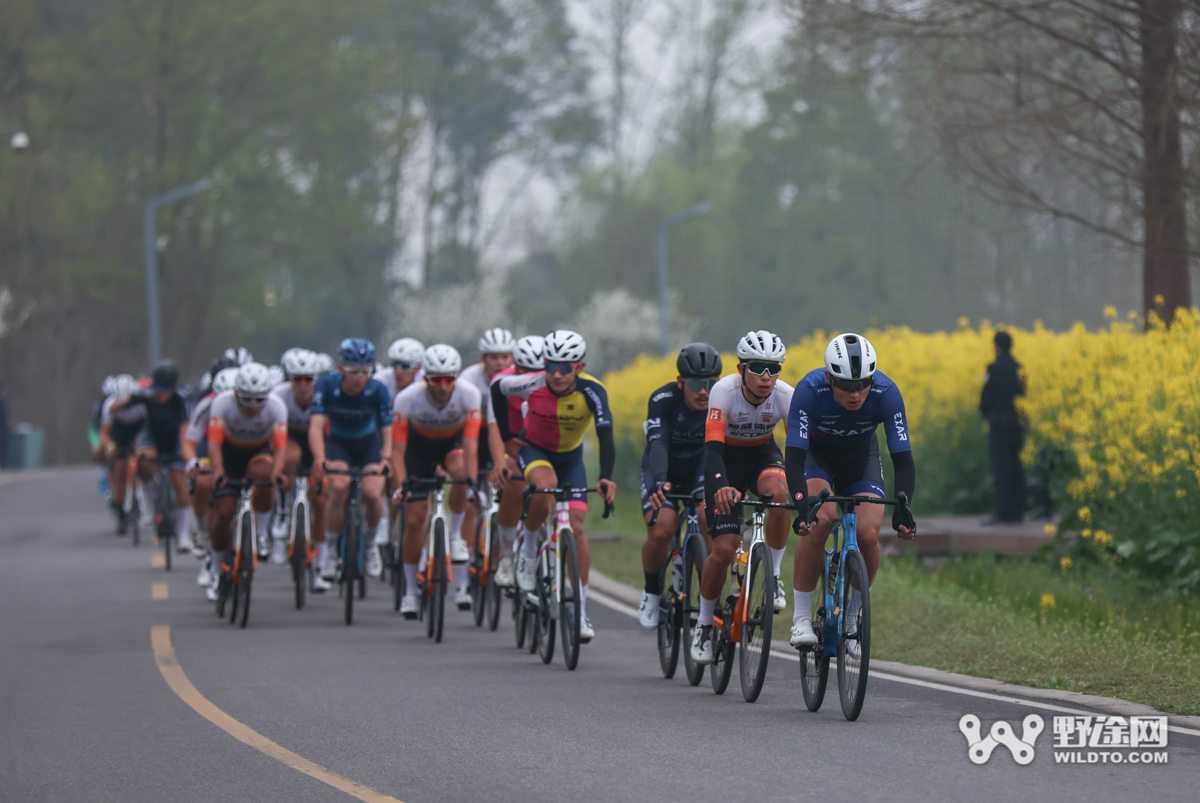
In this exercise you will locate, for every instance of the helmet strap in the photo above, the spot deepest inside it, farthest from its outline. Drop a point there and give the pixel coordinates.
(746, 388)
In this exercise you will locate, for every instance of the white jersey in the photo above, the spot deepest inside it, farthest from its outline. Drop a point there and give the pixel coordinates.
(737, 422)
(414, 413)
(134, 414)
(477, 376)
(198, 426)
(387, 378)
(228, 424)
(297, 416)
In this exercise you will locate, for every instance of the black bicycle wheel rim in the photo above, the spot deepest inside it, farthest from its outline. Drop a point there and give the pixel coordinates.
(246, 569)
(300, 552)
(518, 613)
(439, 579)
(135, 520)
(668, 621)
(545, 622)
(532, 628)
(570, 614)
(852, 669)
(398, 587)
(814, 663)
(493, 594)
(475, 575)
(349, 561)
(722, 665)
(693, 564)
(755, 647)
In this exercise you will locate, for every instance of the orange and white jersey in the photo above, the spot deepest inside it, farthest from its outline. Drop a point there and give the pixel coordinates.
(736, 422)
(415, 415)
(228, 424)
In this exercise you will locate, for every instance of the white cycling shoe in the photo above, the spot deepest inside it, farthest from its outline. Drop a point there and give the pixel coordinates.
(279, 551)
(780, 595)
(410, 606)
(702, 648)
(586, 631)
(183, 542)
(374, 562)
(458, 551)
(526, 572)
(211, 591)
(462, 598)
(329, 567)
(802, 634)
(204, 578)
(320, 585)
(648, 611)
(504, 573)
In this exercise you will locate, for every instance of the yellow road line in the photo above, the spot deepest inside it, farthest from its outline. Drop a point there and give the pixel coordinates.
(160, 591)
(158, 560)
(172, 672)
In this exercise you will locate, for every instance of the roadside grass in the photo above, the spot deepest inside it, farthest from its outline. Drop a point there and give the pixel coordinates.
(985, 616)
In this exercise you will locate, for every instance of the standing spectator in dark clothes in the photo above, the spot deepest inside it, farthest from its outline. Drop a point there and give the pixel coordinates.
(1002, 384)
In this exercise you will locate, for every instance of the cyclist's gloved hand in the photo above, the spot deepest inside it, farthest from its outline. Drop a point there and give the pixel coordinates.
(804, 507)
(903, 517)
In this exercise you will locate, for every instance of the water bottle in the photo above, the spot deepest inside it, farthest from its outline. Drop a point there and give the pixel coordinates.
(679, 571)
(834, 562)
(739, 572)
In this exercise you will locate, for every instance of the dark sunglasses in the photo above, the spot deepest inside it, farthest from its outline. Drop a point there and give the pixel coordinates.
(851, 385)
(559, 368)
(304, 380)
(404, 366)
(699, 384)
(251, 401)
(760, 368)
(442, 381)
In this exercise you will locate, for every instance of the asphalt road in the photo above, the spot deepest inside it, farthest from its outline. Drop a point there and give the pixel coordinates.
(87, 715)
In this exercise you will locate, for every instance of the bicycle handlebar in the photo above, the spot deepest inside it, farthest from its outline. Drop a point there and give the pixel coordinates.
(900, 501)
(689, 500)
(355, 473)
(562, 494)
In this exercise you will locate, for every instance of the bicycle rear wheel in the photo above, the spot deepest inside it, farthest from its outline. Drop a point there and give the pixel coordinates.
(669, 607)
(722, 665)
(351, 534)
(164, 517)
(756, 630)
(299, 557)
(693, 568)
(439, 581)
(854, 636)
(246, 569)
(545, 614)
(135, 519)
(814, 663)
(398, 583)
(492, 593)
(518, 615)
(570, 616)
(475, 574)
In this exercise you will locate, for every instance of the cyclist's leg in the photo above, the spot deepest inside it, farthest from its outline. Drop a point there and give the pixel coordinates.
(658, 536)
(418, 463)
(773, 481)
(337, 456)
(862, 474)
(538, 470)
(456, 500)
(511, 498)
(370, 458)
(183, 502)
(262, 498)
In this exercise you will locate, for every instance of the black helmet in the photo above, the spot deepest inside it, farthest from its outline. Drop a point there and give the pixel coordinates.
(698, 359)
(220, 364)
(166, 375)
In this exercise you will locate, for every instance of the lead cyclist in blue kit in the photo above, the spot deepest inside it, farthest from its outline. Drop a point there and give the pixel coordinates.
(831, 444)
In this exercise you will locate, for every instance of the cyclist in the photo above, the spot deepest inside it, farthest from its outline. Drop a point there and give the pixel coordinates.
(562, 401)
(159, 441)
(297, 395)
(247, 438)
(436, 424)
(194, 450)
(405, 355)
(673, 460)
(350, 425)
(509, 415)
(740, 453)
(94, 424)
(118, 433)
(831, 444)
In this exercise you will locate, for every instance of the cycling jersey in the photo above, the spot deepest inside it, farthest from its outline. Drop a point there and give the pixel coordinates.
(558, 423)
(228, 425)
(197, 430)
(674, 432)
(735, 421)
(163, 421)
(297, 416)
(476, 376)
(419, 419)
(816, 418)
(130, 416)
(387, 378)
(351, 417)
(511, 423)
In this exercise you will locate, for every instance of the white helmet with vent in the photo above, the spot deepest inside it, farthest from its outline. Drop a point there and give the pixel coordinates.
(124, 385)
(110, 384)
(325, 363)
(497, 341)
(240, 355)
(225, 380)
(441, 360)
(278, 375)
(761, 345)
(406, 353)
(850, 357)
(253, 377)
(528, 353)
(301, 362)
(288, 355)
(563, 345)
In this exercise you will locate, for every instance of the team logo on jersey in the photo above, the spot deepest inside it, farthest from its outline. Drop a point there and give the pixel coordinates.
(714, 414)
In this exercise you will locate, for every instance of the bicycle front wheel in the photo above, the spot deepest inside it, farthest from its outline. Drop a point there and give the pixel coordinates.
(350, 547)
(492, 593)
(299, 557)
(723, 647)
(246, 568)
(546, 613)
(854, 636)
(814, 663)
(693, 568)
(398, 583)
(476, 574)
(669, 606)
(570, 614)
(438, 581)
(756, 630)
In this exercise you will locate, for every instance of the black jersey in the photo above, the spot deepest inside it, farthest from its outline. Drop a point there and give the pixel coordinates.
(674, 433)
(163, 420)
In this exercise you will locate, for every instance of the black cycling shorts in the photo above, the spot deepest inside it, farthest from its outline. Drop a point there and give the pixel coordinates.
(306, 455)
(849, 470)
(124, 436)
(356, 453)
(686, 477)
(170, 458)
(236, 461)
(743, 467)
(422, 458)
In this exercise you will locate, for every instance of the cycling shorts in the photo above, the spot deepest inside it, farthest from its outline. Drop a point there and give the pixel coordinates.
(422, 458)
(355, 452)
(123, 437)
(236, 461)
(306, 456)
(686, 477)
(744, 466)
(170, 459)
(849, 470)
(568, 468)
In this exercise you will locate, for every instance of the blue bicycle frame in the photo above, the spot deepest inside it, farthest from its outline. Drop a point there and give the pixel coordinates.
(845, 540)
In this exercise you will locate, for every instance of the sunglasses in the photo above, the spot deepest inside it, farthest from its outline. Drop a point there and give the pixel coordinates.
(404, 366)
(699, 384)
(441, 381)
(560, 368)
(304, 380)
(851, 385)
(251, 401)
(359, 371)
(760, 368)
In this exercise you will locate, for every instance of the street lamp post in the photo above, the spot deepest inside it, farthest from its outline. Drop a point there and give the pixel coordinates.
(151, 234)
(664, 300)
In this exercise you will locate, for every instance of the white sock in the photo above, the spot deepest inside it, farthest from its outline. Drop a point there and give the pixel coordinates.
(322, 551)
(456, 523)
(777, 557)
(260, 524)
(460, 575)
(529, 544)
(381, 532)
(201, 523)
(410, 579)
(803, 602)
(216, 561)
(583, 600)
(507, 536)
(331, 539)
(181, 521)
(707, 606)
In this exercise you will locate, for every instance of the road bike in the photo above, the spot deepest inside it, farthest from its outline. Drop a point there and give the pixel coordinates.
(679, 602)
(301, 550)
(393, 556)
(746, 608)
(242, 556)
(164, 509)
(434, 576)
(486, 599)
(841, 614)
(556, 593)
(352, 569)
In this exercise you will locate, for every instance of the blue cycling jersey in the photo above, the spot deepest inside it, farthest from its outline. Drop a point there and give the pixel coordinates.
(815, 416)
(352, 417)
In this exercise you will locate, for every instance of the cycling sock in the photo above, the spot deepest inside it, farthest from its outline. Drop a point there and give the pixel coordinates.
(583, 600)
(529, 544)
(803, 601)
(707, 607)
(216, 562)
(653, 583)
(410, 579)
(322, 551)
(261, 521)
(777, 558)
(331, 539)
(381, 531)
(461, 578)
(507, 536)
(181, 521)
(456, 523)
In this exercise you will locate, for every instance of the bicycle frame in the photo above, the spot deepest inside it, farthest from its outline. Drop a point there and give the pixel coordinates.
(486, 511)
(741, 558)
(845, 540)
(244, 509)
(300, 497)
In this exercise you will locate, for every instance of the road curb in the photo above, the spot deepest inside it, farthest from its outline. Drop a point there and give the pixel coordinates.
(632, 596)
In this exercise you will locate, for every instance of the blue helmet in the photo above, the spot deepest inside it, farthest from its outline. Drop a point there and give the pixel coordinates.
(356, 351)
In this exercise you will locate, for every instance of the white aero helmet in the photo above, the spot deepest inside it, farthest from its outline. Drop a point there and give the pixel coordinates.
(253, 377)
(497, 341)
(850, 358)
(240, 355)
(441, 360)
(278, 375)
(563, 345)
(288, 355)
(406, 353)
(225, 380)
(528, 353)
(300, 362)
(325, 363)
(109, 384)
(761, 345)
(125, 385)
